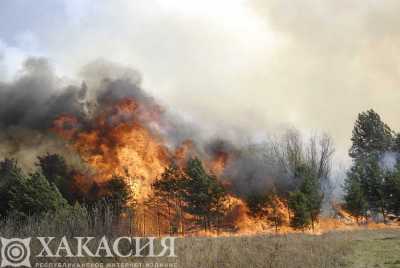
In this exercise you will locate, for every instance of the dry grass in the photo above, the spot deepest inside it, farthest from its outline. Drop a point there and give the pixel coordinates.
(361, 248)
(293, 250)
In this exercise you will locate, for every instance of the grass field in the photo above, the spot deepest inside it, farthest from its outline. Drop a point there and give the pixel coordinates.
(361, 248)
(352, 248)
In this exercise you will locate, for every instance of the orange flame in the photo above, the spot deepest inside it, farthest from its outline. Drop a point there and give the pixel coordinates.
(117, 144)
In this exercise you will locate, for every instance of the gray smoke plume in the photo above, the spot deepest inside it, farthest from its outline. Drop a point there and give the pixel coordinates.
(36, 97)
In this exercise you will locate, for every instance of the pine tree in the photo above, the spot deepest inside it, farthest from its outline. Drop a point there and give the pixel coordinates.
(355, 199)
(203, 194)
(370, 135)
(392, 190)
(298, 203)
(168, 195)
(370, 140)
(10, 172)
(54, 168)
(311, 188)
(257, 204)
(396, 143)
(307, 200)
(34, 195)
(116, 193)
(372, 179)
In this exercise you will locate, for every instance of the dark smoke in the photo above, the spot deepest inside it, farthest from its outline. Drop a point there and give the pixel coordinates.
(30, 104)
(33, 100)
(36, 97)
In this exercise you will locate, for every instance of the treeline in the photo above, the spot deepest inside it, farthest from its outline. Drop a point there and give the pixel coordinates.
(192, 197)
(302, 183)
(372, 186)
(184, 199)
(189, 195)
(54, 187)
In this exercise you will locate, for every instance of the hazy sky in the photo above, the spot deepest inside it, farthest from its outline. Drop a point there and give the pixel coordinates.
(230, 64)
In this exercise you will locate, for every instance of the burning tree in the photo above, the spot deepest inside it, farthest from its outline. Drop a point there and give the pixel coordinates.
(55, 169)
(307, 168)
(192, 191)
(202, 193)
(167, 196)
(268, 207)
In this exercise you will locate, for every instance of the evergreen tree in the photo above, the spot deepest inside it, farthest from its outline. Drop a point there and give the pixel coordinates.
(396, 143)
(370, 135)
(298, 203)
(257, 204)
(392, 190)
(168, 196)
(203, 194)
(171, 182)
(116, 193)
(9, 174)
(311, 189)
(355, 199)
(372, 182)
(366, 179)
(55, 170)
(307, 200)
(34, 195)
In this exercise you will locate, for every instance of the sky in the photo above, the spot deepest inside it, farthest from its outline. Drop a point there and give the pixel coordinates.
(244, 66)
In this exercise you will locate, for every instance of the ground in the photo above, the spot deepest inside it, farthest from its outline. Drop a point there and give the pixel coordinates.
(361, 248)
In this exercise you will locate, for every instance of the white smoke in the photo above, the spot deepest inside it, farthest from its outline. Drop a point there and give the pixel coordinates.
(388, 161)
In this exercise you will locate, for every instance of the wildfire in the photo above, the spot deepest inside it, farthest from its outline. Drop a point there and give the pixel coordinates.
(122, 140)
(117, 143)
(218, 163)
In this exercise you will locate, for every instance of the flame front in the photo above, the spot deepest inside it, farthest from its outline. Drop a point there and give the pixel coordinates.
(116, 143)
(123, 140)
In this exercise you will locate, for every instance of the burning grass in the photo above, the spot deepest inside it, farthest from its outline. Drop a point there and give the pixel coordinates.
(357, 248)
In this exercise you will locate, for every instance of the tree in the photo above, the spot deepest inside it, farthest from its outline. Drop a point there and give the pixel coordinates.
(307, 166)
(311, 189)
(372, 179)
(370, 135)
(34, 195)
(257, 204)
(168, 194)
(392, 190)
(298, 203)
(306, 202)
(367, 180)
(53, 167)
(10, 173)
(276, 210)
(116, 193)
(354, 196)
(396, 143)
(203, 194)
(295, 153)
(55, 170)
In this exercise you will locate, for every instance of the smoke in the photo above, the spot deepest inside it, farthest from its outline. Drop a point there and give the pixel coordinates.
(27, 107)
(31, 102)
(37, 98)
(340, 53)
(388, 161)
(255, 170)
